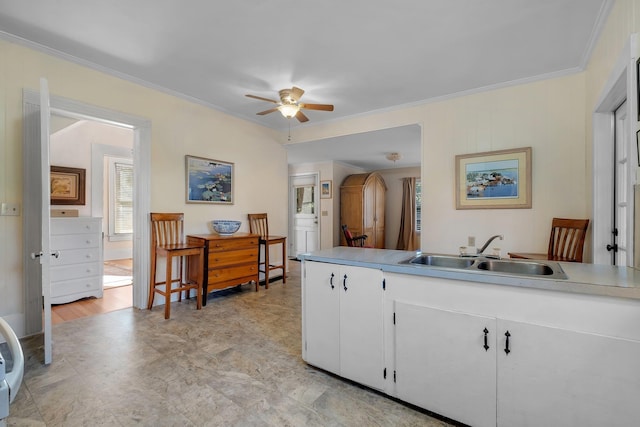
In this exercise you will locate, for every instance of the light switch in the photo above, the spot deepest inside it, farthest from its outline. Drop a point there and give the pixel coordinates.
(325, 213)
(10, 209)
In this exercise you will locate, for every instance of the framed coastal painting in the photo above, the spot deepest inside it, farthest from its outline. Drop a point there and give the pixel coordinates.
(67, 185)
(494, 180)
(209, 181)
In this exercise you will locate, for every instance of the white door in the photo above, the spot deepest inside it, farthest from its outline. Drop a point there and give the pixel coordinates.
(45, 248)
(305, 206)
(321, 322)
(361, 330)
(446, 362)
(558, 377)
(619, 246)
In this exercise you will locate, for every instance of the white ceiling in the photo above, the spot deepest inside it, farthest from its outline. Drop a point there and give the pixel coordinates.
(361, 56)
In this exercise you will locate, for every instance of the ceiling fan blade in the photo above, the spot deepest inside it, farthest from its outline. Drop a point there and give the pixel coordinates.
(296, 92)
(261, 98)
(301, 117)
(262, 113)
(323, 107)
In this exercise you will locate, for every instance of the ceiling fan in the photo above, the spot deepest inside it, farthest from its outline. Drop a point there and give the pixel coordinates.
(290, 105)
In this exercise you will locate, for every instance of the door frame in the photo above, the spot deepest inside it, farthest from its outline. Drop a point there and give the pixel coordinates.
(292, 208)
(142, 181)
(620, 86)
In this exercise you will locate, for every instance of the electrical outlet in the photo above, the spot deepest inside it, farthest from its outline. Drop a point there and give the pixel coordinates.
(471, 241)
(10, 209)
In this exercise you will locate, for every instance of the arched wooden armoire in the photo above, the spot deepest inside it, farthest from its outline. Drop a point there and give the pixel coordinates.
(362, 199)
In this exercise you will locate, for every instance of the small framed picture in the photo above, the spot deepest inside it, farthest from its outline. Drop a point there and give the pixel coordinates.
(67, 185)
(326, 192)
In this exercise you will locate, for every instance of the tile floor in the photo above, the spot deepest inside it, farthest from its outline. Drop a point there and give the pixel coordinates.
(237, 362)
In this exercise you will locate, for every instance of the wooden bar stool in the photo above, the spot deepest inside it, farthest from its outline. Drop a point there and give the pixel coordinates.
(566, 242)
(259, 225)
(167, 236)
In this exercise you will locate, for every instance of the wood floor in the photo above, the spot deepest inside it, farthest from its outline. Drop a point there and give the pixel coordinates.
(113, 299)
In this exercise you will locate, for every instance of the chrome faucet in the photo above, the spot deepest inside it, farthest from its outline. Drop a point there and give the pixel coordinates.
(491, 239)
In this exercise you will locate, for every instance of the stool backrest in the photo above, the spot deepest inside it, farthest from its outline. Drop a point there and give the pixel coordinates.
(566, 242)
(166, 229)
(259, 225)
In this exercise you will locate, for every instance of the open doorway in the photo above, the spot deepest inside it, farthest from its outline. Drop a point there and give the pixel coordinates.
(35, 283)
(105, 152)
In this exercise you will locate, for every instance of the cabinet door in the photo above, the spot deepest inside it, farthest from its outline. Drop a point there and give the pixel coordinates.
(442, 364)
(557, 377)
(321, 315)
(361, 333)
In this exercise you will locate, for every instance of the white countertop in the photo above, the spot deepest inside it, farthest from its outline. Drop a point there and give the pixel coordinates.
(590, 279)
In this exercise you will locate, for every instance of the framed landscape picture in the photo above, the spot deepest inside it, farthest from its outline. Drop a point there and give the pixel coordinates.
(67, 185)
(494, 180)
(208, 181)
(325, 190)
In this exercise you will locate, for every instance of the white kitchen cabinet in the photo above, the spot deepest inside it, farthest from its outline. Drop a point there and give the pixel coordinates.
(342, 322)
(444, 364)
(77, 270)
(572, 360)
(559, 377)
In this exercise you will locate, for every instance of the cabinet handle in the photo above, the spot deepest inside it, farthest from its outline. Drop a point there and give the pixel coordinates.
(506, 346)
(344, 282)
(331, 280)
(486, 345)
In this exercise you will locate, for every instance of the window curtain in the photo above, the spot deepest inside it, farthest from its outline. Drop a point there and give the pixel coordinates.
(407, 235)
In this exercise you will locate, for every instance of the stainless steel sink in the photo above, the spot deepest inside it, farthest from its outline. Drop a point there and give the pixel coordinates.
(442, 261)
(520, 267)
(546, 269)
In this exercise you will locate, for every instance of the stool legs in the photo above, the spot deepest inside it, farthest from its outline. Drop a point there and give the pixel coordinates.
(182, 286)
(284, 262)
(267, 266)
(167, 288)
(152, 281)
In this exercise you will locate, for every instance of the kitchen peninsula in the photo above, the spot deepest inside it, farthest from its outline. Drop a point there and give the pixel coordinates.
(481, 347)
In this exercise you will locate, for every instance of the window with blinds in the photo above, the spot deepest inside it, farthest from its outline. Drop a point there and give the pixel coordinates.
(120, 198)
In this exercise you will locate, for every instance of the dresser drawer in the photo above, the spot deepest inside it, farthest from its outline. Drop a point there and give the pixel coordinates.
(71, 290)
(232, 244)
(77, 225)
(231, 273)
(76, 271)
(240, 256)
(75, 256)
(75, 241)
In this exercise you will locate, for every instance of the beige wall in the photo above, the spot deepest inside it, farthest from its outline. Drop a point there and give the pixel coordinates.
(393, 202)
(546, 115)
(178, 128)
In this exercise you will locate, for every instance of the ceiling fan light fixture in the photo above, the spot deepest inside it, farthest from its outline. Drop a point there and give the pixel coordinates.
(393, 157)
(289, 110)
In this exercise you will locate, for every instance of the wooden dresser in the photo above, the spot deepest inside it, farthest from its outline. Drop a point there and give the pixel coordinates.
(228, 260)
(77, 271)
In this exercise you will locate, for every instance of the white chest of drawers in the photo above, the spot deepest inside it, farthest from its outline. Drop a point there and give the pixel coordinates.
(77, 272)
